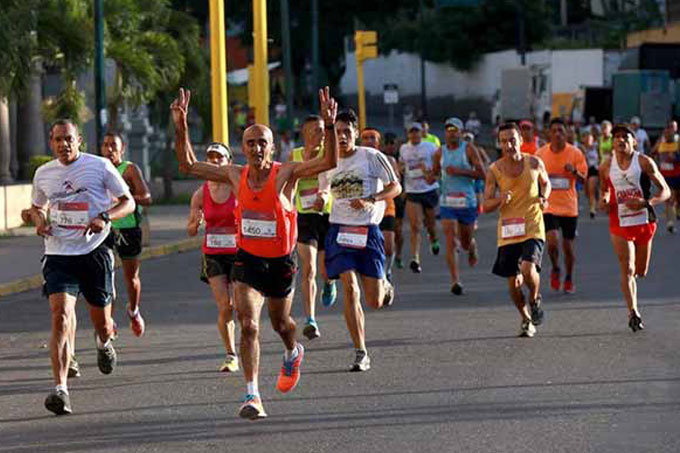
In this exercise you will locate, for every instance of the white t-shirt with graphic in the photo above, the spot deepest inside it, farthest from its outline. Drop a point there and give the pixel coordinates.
(364, 173)
(413, 157)
(75, 194)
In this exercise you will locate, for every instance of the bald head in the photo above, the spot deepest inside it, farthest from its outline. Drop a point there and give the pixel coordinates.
(258, 144)
(258, 130)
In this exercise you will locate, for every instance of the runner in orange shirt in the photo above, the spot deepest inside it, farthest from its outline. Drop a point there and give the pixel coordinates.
(530, 140)
(565, 164)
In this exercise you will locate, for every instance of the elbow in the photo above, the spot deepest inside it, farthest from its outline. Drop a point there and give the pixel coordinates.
(397, 189)
(184, 168)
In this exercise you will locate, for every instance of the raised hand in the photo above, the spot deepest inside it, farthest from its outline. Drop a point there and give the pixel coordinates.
(328, 107)
(180, 107)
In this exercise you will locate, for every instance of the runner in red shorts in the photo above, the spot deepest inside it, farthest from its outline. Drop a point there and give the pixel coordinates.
(627, 176)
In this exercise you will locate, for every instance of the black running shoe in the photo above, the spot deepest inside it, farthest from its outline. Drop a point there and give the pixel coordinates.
(415, 267)
(457, 289)
(537, 314)
(58, 402)
(106, 357)
(635, 322)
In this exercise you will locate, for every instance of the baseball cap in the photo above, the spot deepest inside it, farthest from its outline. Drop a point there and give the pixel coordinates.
(415, 125)
(623, 127)
(635, 120)
(219, 148)
(455, 122)
(526, 123)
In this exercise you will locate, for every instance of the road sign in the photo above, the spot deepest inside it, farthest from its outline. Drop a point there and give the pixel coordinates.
(391, 93)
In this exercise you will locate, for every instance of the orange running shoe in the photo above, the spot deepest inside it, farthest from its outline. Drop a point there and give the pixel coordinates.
(290, 372)
(252, 408)
(555, 280)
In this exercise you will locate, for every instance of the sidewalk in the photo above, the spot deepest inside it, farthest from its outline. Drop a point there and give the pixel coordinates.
(20, 253)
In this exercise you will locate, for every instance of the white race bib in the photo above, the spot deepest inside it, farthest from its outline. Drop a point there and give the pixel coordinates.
(513, 228)
(415, 173)
(354, 237)
(455, 200)
(666, 166)
(628, 217)
(308, 198)
(560, 183)
(221, 238)
(257, 225)
(70, 215)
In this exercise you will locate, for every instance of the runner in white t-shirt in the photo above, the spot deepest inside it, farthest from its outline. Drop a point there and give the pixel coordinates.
(72, 210)
(416, 162)
(360, 184)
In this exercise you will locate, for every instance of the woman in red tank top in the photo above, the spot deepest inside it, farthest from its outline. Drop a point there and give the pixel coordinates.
(215, 203)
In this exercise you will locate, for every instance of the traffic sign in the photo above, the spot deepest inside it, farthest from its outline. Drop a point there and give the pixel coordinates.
(391, 93)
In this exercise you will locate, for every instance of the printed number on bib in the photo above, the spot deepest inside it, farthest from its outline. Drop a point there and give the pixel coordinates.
(354, 237)
(73, 215)
(560, 183)
(455, 200)
(415, 171)
(666, 166)
(221, 238)
(513, 228)
(628, 217)
(308, 198)
(258, 225)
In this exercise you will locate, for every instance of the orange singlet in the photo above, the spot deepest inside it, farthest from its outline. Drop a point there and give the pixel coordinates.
(265, 228)
(530, 147)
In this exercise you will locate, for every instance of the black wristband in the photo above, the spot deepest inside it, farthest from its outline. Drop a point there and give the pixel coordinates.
(330, 126)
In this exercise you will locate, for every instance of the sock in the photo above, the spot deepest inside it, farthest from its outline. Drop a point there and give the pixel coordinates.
(251, 388)
(132, 314)
(389, 261)
(416, 258)
(100, 344)
(61, 387)
(291, 354)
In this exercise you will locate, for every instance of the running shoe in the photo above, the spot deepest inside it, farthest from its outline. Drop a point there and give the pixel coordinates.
(671, 228)
(388, 299)
(457, 289)
(399, 263)
(137, 324)
(537, 314)
(415, 267)
(473, 255)
(230, 364)
(435, 247)
(58, 402)
(527, 329)
(252, 408)
(635, 322)
(362, 362)
(311, 330)
(569, 287)
(106, 357)
(73, 368)
(329, 294)
(592, 214)
(290, 371)
(555, 280)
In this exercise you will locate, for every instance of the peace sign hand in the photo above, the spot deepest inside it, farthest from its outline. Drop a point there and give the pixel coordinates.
(180, 107)
(328, 107)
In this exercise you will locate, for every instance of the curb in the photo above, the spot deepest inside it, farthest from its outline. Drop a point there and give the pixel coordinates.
(35, 281)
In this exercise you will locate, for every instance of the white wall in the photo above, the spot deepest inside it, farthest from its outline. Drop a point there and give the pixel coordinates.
(572, 68)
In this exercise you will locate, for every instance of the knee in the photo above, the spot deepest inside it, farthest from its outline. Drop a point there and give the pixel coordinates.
(527, 269)
(61, 319)
(308, 272)
(282, 326)
(351, 294)
(250, 328)
(374, 300)
(628, 273)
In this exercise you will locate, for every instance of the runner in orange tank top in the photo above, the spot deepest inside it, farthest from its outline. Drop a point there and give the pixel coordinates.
(265, 265)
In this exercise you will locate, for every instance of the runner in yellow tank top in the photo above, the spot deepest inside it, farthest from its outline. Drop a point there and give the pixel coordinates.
(511, 187)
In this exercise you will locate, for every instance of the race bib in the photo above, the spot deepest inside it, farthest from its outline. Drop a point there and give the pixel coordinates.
(258, 225)
(628, 217)
(666, 166)
(513, 228)
(560, 183)
(308, 198)
(70, 215)
(455, 200)
(354, 237)
(415, 173)
(221, 238)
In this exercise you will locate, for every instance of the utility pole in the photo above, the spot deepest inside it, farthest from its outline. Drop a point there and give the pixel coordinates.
(218, 73)
(563, 13)
(99, 82)
(366, 46)
(261, 66)
(287, 63)
(521, 45)
(421, 28)
(315, 48)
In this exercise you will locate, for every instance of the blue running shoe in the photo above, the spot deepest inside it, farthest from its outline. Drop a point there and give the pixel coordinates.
(329, 294)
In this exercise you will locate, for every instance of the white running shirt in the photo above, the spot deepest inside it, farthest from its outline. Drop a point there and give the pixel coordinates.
(75, 194)
(413, 157)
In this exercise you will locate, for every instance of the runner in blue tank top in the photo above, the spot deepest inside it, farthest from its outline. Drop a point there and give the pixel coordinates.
(461, 166)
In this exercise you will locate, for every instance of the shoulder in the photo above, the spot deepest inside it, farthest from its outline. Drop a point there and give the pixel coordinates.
(646, 162)
(535, 161)
(543, 150)
(45, 169)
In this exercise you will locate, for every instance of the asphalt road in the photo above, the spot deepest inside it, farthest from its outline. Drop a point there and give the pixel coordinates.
(448, 372)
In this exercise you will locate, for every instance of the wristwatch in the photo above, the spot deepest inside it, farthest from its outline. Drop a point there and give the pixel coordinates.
(105, 216)
(371, 198)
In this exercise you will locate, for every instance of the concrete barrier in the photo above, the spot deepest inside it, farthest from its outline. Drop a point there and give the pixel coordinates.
(13, 198)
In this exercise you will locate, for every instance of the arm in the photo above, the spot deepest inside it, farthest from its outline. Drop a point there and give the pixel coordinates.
(651, 170)
(384, 172)
(431, 176)
(38, 217)
(543, 181)
(491, 201)
(138, 187)
(195, 213)
(579, 169)
(604, 185)
(475, 158)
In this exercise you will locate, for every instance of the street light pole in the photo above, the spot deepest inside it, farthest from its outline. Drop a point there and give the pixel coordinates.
(287, 61)
(423, 89)
(261, 66)
(99, 82)
(218, 73)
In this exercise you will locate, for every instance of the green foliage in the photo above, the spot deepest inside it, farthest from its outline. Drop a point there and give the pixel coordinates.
(17, 45)
(35, 162)
(70, 103)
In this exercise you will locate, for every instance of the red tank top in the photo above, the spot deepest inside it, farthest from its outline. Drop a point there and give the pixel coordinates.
(220, 225)
(265, 228)
(530, 147)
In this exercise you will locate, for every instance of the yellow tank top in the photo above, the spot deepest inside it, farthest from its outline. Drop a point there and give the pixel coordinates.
(522, 219)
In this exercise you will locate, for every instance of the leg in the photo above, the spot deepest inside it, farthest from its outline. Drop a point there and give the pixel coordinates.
(643, 253)
(374, 291)
(389, 252)
(532, 279)
(515, 288)
(569, 255)
(102, 321)
(322, 265)
(282, 322)
(467, 241)
(553, 239)
(399, 236)
(63, 307)
(431, 223)
(592, 192)
(414, 213)
(450, 227)
(225, 306)
(626, 255)
(249, 304)
(354, 314)
(308, 254)
(132, 282)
